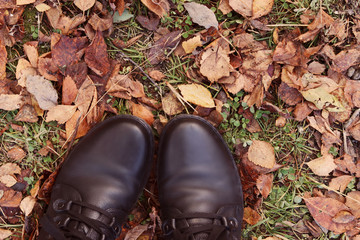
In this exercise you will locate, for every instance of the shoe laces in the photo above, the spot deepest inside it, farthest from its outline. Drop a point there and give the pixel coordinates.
(61, 229)
(209, 231)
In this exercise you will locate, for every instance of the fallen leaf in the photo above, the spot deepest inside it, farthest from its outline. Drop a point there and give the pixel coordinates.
(171, 105)
(24, 69)
(289, 95)
(16, 153)
(191, 44)
(251, 216)
(201, 15)
(66, 51)
(346, 59)
(244, 7)
(322, 19)
(4, 233)
(343, 217)
(8, 180)
(261, 8)
(70, 126)
(353, 202)
(42, 7)
(159, 7)
(290, 52)
(3, 61)
(352, 93)
(69, 91)
(150, 23)
(10, 198)
(96, 56)
(85, 96)
(225, 7)
(30, 49)
(340, 183)
(235, 82)
(101, 24)
(27, 113)
(27, 205)
(142, 112)
(156, 75)
(123, 87)
(84, 5)
(60, 113)
(48, 69)
(197, 94)
(262, 153)
(24, 2)
(43, 90)
(247, 41)
(168, 41)
(322, 166)
(324, 210)
(316, 67)
(355, 131)
(10, 102)
(323, 99)
(215, 63)
(136, 232)
(264, 183)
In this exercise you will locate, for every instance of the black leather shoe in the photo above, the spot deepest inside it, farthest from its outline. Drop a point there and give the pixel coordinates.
(199, 186)
(100, 181)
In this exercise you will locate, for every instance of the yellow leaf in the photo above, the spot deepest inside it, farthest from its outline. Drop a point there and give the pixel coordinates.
(197, 94)
(322, 99)
(191, 44)
(261, 8)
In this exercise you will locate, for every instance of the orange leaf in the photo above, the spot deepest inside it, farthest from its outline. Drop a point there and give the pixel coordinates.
(142, 112)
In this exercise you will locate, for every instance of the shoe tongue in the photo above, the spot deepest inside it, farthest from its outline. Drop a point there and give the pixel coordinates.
(197, 222)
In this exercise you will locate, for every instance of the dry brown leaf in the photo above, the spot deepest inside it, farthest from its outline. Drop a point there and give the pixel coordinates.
(150, 23)
(123, 87)
(42, 7)
(69, 91)
(352, 92)
(322, 19)
(160, 7)
(70, 126)
(290, 52)
(316, 67)
(244, 7)
(156, 75)
(85, 96)
(171, 105)
(251, 216)
(167, 41)
(324, 210)
(27, 113)
(322, 166)
(247, 41)
(3, 61)
(191, 44)
(215, 63)
(261, 8)
(135, 233)
(10, 102)
(4, 233)
(262, 153)
(353, 202)
(16, 153)
(101, 24)
(27, 205)
(355, 131)
(8, 180)
(346, 59)
(96, 56)
(238, 82)
(84, 5)
(225, 7)
(10, 198)
(48, 69)
(340, 183)
(24, 69)
(60, 113)
(201, 15)
(289, 95)
(24, 2)
(43, 90)
(30, 49)
(9, 169)
(264, 183)
(197, 94)
(142, 112)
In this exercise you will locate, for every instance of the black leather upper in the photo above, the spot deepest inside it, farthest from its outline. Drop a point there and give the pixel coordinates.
(107, 169)
(197, 173)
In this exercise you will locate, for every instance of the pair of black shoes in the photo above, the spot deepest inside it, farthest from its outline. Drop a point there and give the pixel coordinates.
(199, 186)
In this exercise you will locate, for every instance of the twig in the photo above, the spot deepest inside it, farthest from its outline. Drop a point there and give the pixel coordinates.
(127, 58)
(352, 118)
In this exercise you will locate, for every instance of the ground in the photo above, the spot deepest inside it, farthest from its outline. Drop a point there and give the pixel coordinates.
(279, 79)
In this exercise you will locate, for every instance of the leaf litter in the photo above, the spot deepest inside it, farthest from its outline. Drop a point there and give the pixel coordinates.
(73, 77)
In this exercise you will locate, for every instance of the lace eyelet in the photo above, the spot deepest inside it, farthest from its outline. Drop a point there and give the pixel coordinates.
(233, 223)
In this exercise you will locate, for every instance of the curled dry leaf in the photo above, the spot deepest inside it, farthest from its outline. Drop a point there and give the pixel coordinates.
(261, 8)
(340, 183)
(3, 61)
(343, 217)
(123, 87)
(142, 112)
(251, 216)
(262, 153)
(201, 15)
(60, 113)
(30, 49)
(27, 113)
(324, 210)
(197, 94)
(96, 56)
(159, 7)
(69, 91)
(43, 90)
(27, 205)
(264, 184)
(101, 24)
(322, 166)
(215, 63)
(70, 126)
(16, 153)
(171, 105)
(225, 7)
(10, 102)
(85, 96)
(84, 5)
